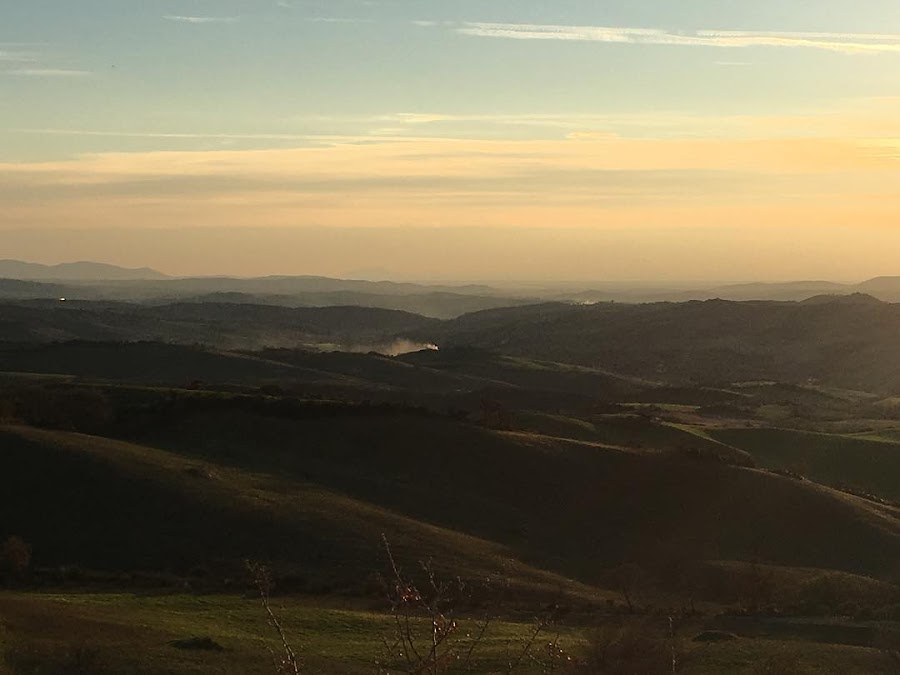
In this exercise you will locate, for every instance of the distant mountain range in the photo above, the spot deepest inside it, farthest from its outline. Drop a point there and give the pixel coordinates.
(98, 281)
(74, 271)
(89, 281)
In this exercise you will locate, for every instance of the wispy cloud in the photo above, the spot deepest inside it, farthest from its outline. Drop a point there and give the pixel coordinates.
(15, 55)
(859, 119)
(620, 183)
(49, 72)
(332, 19)
(838, 42)
(165, 135)
(30, 59)
(200, 19)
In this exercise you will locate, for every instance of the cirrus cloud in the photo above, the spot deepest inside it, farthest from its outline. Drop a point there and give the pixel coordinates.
(200, 19)
(49, 72)
(854, 43)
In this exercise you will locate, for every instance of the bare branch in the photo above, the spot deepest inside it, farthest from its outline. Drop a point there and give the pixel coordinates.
(289, 663)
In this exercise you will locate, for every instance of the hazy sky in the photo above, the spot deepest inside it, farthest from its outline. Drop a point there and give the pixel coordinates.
(573, 139)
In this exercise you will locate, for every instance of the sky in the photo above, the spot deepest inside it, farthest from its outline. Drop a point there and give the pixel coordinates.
(454, 139)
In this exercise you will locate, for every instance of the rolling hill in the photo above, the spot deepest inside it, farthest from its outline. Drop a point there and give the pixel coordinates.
(847, 342)
(852, 462)
(217, 325)
(75, 271)
(313, 494)
(193, 514)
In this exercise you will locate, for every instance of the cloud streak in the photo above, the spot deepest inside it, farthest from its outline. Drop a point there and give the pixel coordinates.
(861, 119)
(332, 19)
(165, 135)
(851, 43)
(49, 72)
(15, 55)
(598, 181)
(200, 19)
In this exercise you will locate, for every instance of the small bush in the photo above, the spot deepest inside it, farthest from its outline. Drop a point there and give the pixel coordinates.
(633, 649)
(715, 636)
(67, 408)
(887, 613)
(836, 594)
(784, 663)
(73, 659)
(203, 644)
(15, 559)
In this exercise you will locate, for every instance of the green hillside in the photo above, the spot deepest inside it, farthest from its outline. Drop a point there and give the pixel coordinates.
(119, 508)
(278, 484)
(632, 430)
(603, 506)
(144, 362)
(852, 462)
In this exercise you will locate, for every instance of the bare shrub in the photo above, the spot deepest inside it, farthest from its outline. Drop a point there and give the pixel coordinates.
(287, 663)
(756, 588)
(15, 559)
(783, 663)
(631, 649)
(427, 636)
(627, 579)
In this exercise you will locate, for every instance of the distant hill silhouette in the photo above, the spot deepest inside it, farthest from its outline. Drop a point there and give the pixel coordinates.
(74, 271)
(882, 287)
(847, 342)
(842, 341)
(17, 289)
(220, 325)
(89, 281)
(853, 298)
(96, 281)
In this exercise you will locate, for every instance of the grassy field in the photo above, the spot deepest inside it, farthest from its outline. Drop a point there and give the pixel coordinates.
(117, 633)
(126, 633)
